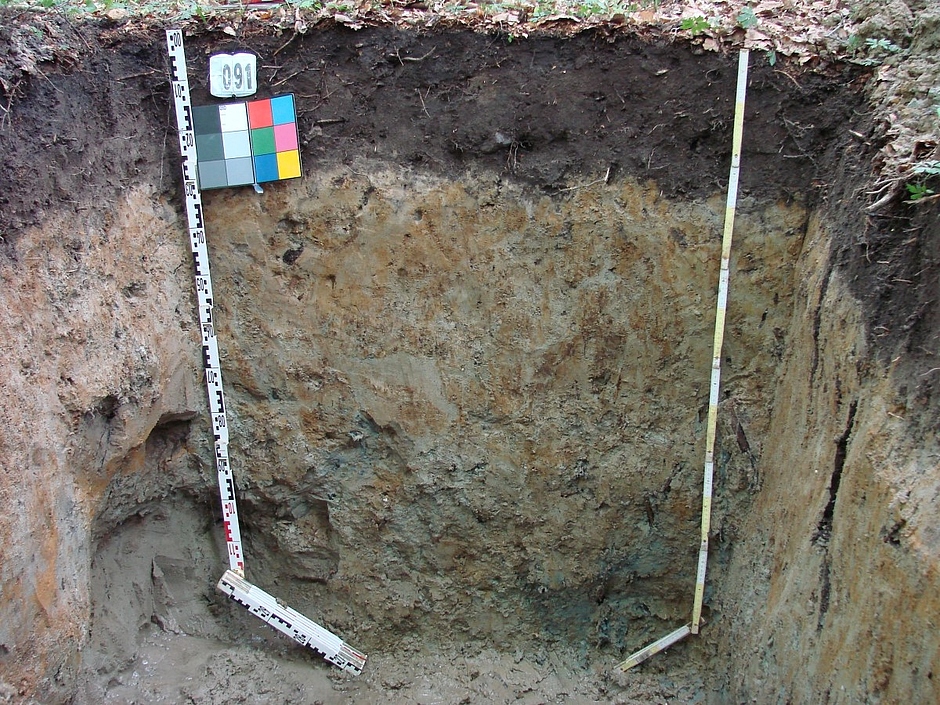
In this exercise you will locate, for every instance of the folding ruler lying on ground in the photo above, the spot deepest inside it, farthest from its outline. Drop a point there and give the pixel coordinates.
(233, 583)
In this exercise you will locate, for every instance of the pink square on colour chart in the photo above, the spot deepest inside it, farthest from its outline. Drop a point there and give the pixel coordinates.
(285, 137)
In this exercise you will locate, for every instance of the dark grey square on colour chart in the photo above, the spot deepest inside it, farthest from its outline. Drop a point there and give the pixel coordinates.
(212, 175)
(206, 119)
(240, 171)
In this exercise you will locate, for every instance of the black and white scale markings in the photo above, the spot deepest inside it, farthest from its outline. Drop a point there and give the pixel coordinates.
(210, 346)
(303, 630)
(259, 603)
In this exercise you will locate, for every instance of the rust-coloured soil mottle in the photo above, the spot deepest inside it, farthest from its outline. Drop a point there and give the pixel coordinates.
(466, 360)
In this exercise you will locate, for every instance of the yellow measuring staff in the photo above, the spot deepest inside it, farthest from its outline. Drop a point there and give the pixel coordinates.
(723, 276)
(719, 337)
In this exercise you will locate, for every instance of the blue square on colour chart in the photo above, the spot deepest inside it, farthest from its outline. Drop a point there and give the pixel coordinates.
(265, 168)
(282, 109)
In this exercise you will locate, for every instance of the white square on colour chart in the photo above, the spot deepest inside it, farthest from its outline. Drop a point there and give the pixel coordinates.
(236, 144)
(233, 117)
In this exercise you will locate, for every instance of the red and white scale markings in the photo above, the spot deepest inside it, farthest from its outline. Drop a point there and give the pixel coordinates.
(232, 583)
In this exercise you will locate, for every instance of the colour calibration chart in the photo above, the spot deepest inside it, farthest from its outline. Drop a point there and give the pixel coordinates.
(249, 142)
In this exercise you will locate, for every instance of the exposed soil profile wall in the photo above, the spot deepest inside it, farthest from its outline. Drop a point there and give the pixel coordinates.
(466, 362)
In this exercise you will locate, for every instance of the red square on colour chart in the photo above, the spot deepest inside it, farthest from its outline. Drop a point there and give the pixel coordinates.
(259, 114)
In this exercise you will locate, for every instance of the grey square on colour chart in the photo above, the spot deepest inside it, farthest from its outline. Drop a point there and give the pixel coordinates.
(209, 147)
(212, 174)
(240, 171)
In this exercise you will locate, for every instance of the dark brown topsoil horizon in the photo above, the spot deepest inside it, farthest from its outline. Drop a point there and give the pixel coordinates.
(546, 111)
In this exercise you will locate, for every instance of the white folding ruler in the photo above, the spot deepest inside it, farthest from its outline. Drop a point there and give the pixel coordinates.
(305, 631)
(233, 583)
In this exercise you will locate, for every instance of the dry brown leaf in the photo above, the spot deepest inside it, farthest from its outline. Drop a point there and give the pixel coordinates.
(507, 17)
(348, 21)
(767, 6)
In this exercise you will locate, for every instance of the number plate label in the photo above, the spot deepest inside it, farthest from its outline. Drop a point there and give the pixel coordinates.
(233, 75)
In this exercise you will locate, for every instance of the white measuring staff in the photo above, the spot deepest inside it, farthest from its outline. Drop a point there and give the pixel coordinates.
(204, 296)
(233, 583)
(721, 309)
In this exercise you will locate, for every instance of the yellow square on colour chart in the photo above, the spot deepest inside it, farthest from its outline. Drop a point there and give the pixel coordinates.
(288, 164)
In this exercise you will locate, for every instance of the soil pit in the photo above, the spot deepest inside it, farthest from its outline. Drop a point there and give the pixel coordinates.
(466, 361)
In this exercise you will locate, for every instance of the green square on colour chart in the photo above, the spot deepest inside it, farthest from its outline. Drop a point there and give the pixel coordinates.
(262, 141)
